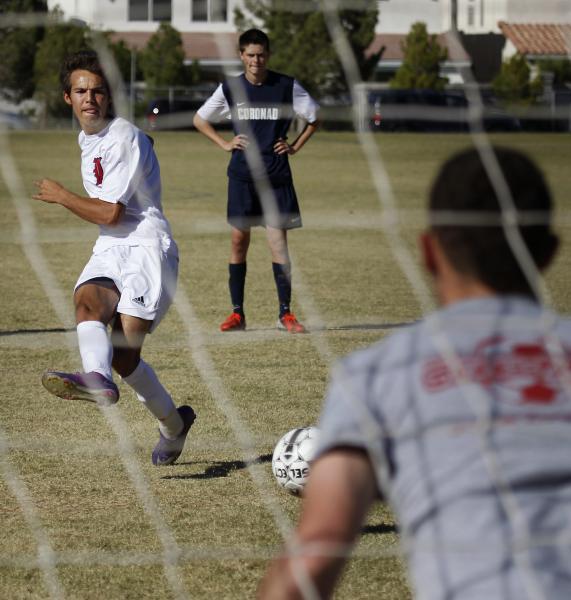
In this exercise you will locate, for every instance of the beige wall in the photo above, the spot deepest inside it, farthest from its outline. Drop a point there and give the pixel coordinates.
(113, 14)
(396, 16)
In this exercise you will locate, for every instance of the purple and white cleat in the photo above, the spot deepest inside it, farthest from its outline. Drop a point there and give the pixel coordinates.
(92, 387)
(167, 451)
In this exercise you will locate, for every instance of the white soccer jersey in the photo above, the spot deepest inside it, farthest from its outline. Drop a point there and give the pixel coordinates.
(476, 467)
(118, 164)
(216, 108)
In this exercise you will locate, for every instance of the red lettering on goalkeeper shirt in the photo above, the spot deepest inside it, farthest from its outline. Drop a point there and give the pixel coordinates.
(526, 373)
(98, 170)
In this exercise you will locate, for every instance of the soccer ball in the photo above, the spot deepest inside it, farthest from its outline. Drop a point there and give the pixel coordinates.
(292, 458)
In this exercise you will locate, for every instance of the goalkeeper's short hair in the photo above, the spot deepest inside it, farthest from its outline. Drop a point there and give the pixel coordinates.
(464, 185)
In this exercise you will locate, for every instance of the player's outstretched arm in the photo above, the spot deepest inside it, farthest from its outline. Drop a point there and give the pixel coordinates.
(282, 147)
(90, 209)
(238, 142)
(339, 492)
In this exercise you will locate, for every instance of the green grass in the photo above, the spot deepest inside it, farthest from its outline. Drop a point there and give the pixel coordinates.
(65, 454)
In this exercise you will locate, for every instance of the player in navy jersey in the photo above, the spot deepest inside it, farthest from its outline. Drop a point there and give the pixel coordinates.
(462, 421)
(261, 105)
(129, 282)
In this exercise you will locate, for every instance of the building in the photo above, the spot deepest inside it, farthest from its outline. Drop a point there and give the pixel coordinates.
(209, 33)
(469, 16)
(206, 26)
(490, 30)
(145, 15)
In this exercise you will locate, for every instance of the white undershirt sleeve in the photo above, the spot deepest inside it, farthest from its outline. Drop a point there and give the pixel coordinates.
(304, 105)
(215, 108)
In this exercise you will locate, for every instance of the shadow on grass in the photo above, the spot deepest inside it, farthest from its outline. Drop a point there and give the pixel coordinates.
(365, 326)
(32, 331)
(381, 528)
(348, 327)
(220, 469)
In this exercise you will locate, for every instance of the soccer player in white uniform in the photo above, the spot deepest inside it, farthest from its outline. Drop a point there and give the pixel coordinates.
(462, 422)
(261, 105)
(130, 279)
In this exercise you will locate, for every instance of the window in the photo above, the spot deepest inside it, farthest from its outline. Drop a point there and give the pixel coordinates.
(150, 10)
(138, 10)
(199, 10)
(218, 10)
(209, 10)
(471, 15)
(161, 10)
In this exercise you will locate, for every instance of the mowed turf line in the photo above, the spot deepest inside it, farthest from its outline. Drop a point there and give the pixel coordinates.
(66, 454)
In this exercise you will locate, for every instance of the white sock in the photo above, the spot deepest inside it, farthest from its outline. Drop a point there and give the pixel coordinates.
(171, 425)
(95, 348)
(158, 401)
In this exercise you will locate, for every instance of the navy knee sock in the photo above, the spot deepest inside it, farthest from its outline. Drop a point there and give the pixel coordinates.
(282, 277)
(236, 283)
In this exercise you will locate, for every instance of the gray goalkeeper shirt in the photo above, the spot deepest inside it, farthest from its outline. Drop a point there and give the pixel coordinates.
(467, 418)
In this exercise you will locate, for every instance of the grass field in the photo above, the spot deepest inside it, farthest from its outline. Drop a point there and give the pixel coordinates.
(84, 514)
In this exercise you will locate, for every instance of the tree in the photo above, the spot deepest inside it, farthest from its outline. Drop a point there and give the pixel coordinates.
(559, 68)
(18, 49)
(302, 46)
(122, 55)
(513, 85)
(162, 61)
(59, 40)
(420, 68)
(192, 73)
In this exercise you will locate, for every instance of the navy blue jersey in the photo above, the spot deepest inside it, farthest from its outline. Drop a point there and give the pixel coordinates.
(263, 112)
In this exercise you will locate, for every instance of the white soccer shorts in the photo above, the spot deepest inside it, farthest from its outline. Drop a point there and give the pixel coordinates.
(145, 276)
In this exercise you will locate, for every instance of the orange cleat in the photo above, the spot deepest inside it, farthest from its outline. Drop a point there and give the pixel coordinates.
(234, 322)
(289, 323)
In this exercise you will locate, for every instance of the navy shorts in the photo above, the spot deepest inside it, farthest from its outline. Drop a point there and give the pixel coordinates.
(245, 208)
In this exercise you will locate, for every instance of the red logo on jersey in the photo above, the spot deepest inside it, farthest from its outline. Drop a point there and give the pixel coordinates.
(98, 170)
(527, 372)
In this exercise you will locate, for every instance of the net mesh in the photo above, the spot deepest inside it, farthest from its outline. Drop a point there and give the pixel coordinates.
(392, 222)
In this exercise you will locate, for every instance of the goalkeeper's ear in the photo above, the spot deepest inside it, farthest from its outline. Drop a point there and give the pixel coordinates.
(426, 242)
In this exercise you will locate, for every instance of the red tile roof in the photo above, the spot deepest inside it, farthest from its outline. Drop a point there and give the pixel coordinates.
(201, 46)
(548, 39)
(224, 46)
(393, 50)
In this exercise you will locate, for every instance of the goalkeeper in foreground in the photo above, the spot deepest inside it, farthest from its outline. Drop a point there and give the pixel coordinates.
(463, 421)
(130, 279)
